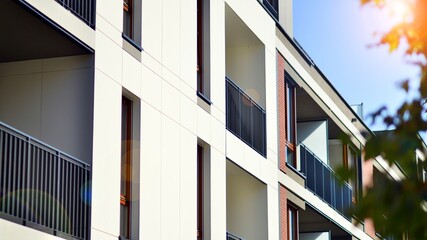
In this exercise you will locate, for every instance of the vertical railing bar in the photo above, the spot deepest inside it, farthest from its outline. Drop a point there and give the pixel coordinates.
(73, 197)
(49, 190)
(39, 182)
(27, 187)
(15, 177)
(43, 187)
(53, 190)
(20, 179)
(2, 188)
(78, 204)
(66, 196)
(10, 166)
(40, 188)
(58, 193)
(70, 198)
(6, 171)
(86, 210)
(84, 199)
(55, 180)
(4, 168)
(63, 194)
(252, 123)
(32, 183)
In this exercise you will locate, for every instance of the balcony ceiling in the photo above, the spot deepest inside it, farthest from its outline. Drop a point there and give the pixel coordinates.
(237, 33)
(309, 110)
(26, 36)
(312, 221)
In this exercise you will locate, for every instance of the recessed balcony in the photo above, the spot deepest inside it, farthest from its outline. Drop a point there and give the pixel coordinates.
(46, 125)
(42, 187)
(245, 83)
(247, 216)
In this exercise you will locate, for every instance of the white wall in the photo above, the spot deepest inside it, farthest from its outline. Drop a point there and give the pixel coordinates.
(245, 66)
(314, 135)
(336, 154)
(246, 205)
(285, 16)
(51, 100)
(315, 236)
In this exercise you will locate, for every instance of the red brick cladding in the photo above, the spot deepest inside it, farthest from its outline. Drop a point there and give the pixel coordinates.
(367, 180)
(283, 208)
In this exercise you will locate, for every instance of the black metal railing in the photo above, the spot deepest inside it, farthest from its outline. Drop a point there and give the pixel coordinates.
(233, 237)
(42, 187)
(84, 9)
(272, 7)
(245, 118)
(324, 182)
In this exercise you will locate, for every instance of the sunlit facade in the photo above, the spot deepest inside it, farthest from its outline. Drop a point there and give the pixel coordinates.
(148, 119)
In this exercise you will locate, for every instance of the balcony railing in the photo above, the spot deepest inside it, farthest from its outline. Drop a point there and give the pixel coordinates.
(84, 9)
(245, 118)
(324, 182)
(233, 237)
(43, 188)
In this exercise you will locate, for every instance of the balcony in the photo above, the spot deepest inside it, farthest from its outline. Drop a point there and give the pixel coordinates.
(246, 204)
(42, 187)
(83, 9)
(245, 118)
(324, 182)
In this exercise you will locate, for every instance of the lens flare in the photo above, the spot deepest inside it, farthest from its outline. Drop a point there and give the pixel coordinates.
(401, 10)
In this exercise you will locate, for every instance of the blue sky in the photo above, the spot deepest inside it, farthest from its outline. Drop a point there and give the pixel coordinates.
(336, 34)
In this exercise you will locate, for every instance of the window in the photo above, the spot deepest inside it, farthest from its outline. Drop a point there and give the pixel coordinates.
(351, 162)
(199, 45)
(203, 85)
(126, 170)
(292, 223)
(290, 121)
(199, 192)
(132, 21)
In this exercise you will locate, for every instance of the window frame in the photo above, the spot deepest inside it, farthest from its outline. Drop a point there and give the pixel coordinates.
(199, 67)
(292, 223)
(126, 173)
(132, 23)
(200, 189)
(350, 163)
(290, 102)
(128, 9)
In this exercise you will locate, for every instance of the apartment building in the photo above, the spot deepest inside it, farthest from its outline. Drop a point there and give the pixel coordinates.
(171, 119)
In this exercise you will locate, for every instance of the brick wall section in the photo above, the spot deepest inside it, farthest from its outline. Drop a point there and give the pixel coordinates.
(367, 181)
(283, 208)
(281, 110)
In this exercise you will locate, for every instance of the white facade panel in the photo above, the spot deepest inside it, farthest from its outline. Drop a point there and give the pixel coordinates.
(106, 154)
(314, 135)
(151, 172)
